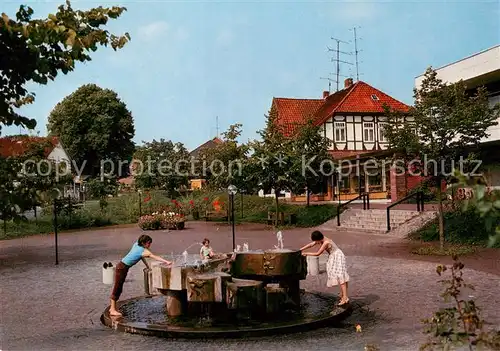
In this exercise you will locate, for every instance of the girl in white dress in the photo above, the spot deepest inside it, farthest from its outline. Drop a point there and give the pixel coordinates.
(335, 266)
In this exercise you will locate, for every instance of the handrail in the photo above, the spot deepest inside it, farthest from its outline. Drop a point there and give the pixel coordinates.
(366, 204)
(419, 195)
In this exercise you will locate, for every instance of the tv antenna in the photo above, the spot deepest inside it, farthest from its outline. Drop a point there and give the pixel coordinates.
(330, 80)
(217, 125)
(356, 51)
(337, 60)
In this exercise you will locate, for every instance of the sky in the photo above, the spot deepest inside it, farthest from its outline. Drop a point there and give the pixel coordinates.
(191, 61)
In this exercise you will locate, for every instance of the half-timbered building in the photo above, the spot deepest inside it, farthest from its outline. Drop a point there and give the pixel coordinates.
(353, 120)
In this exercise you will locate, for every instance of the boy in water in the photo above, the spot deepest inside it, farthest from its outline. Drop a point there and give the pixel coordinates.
(139, 251)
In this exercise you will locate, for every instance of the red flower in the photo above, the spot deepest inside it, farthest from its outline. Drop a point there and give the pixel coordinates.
(205, 199)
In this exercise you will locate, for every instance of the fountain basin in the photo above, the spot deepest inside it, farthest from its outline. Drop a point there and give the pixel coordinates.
(147, 316)
(274, 263)
(175, 277)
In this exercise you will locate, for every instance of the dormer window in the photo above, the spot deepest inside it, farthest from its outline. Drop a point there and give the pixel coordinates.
(375, 97)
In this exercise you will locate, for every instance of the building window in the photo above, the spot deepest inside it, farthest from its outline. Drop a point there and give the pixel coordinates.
(340, 131)
(381, 134)
(368, 131)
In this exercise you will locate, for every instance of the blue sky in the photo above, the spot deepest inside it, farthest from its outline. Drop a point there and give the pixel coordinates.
(191, 61)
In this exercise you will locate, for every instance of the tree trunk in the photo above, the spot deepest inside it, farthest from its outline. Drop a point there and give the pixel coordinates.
(307, 197)
(277, 205)
(440, 216)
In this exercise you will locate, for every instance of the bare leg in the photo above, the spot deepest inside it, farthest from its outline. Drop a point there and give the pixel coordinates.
(112, 309)
(344, 298)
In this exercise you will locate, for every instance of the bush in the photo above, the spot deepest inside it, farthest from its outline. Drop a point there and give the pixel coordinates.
(460, 227)
(164, 220)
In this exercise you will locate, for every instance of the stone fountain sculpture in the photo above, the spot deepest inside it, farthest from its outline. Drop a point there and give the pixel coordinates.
(243, 293)
(249, 283)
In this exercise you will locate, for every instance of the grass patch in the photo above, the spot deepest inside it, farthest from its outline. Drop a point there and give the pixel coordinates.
(458, 250)
(127, 208)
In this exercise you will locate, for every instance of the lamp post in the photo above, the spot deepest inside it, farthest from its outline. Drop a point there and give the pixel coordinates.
(232, 190)
(140, 203)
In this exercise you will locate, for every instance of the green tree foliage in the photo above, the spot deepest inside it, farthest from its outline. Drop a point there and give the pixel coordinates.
(36, 50)
(485, 201)
(229, 162)
(29, 179)
(96, 129)
(162, 165)
(268, 166)
(446, 118)
(311, 163)
(101, 189)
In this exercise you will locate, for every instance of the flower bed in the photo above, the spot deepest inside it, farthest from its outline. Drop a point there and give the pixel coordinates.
(163, 220)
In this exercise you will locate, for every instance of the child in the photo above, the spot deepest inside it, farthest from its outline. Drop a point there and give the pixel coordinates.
(139, 251)
(335, 267)
(206, 251)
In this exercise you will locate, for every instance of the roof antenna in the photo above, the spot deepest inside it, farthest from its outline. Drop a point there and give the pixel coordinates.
(330, 80)
(356, 51)
(217, 125)
(338, 60)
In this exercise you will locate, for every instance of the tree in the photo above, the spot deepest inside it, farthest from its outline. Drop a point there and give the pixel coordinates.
(268, 166)
(101, 189)
(27, 179)
(96, 128)
(445, 120)
(36, 50)
(311, 161)
(228, 163)
(163, 165)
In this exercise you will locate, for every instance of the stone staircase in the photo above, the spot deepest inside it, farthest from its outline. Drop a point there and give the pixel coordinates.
(373, 220)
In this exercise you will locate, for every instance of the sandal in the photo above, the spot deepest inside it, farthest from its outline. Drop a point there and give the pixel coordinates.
(344, 302)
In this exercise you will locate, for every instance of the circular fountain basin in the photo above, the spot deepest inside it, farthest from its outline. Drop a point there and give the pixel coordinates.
(147, 316)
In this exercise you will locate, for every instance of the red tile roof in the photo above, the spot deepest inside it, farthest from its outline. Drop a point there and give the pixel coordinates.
(293, 112)
(19, 144)
(207, 145)
(357, 98)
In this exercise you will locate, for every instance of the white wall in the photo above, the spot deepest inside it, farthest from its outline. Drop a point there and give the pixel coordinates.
(354, 133)
(470, 67)
(58, 155)
(475, 66)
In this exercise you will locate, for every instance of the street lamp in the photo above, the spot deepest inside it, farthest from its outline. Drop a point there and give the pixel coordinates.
(140, 202)
(232, 190)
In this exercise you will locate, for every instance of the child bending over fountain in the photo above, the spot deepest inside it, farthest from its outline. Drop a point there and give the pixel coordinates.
(139, 251)
(206, 251)
(335, 266)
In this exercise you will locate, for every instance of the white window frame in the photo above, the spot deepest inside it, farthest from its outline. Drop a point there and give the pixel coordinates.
(381, 137)
(366, 132)
(339, 126)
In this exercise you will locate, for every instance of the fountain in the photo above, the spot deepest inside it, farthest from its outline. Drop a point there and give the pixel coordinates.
(243, 293)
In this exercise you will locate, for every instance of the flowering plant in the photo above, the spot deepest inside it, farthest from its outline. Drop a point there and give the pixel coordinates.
(162, 220)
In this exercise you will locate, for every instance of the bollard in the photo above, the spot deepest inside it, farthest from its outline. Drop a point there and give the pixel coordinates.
(313, 265)
(108, 273)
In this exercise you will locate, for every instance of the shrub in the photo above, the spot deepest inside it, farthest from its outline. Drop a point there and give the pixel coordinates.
(163, 220)
(460, 227)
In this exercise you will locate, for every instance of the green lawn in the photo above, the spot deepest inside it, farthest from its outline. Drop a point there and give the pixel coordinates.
(126, 209)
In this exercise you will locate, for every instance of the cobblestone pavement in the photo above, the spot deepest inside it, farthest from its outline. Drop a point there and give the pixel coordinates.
(49, 307)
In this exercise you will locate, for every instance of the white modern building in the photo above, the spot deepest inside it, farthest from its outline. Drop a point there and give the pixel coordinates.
(480, 69)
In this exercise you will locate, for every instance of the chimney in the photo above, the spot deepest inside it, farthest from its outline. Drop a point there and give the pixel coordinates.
(326, 94)
(348, 82)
